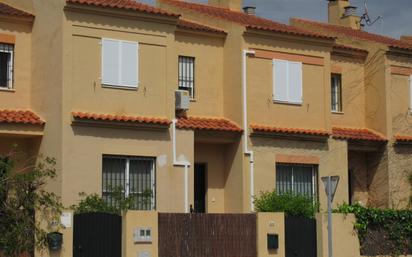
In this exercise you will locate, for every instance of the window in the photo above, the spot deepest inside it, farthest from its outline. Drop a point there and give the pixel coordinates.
(6, 66)
(187, 74)
(134, 176)
(294, 178)
(120, 63)
(336, 91)
(287, 81)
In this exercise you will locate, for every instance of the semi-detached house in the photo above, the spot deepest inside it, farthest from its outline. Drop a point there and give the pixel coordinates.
(272, 106)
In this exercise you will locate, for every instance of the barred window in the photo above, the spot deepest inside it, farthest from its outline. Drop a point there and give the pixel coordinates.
(294, 178)
(187, 74)
(336, 90)
(6, 65)
(134, 177)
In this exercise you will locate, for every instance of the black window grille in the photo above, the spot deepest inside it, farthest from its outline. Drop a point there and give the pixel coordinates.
(336, 91)
(6, 65)
(187, 74)
(132, 177)
(297, 179)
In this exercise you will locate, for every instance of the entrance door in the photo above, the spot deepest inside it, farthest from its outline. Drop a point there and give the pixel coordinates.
(200, 188)
(300, 237)
(97, 235)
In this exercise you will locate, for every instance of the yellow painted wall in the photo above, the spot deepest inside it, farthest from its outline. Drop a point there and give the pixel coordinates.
(270, 223)
(208, 53)
(19, 96)
(353, 93)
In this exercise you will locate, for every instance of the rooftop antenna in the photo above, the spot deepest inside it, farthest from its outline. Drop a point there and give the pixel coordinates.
(366, 18)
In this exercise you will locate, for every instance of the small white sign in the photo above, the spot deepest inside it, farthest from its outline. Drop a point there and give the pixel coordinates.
(143, 254)
(66, 219)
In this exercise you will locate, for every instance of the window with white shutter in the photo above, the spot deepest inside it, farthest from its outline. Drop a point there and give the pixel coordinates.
(120, 63)
(287, 81)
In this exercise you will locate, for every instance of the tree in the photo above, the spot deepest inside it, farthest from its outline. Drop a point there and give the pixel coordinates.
(22, 196)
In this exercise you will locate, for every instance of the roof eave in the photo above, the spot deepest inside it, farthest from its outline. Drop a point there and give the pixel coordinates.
(17, 19)
(122, 13)
(288, 36)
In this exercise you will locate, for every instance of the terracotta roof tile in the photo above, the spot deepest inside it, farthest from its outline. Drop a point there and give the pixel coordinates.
(185, 24)
(403, 139)
(9, 10)
(20, 117)
(124, 4)
(327, 29)
(121, 118)
(203, 123)
(249, 21)
(357, 134)
(297, 131)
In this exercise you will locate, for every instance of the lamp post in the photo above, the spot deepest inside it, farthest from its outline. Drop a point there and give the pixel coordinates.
(330, 183)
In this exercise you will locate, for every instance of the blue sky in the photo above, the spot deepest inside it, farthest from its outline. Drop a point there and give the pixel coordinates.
(397, 14)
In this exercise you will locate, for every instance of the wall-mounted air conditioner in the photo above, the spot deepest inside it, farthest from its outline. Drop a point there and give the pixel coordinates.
(182, 99)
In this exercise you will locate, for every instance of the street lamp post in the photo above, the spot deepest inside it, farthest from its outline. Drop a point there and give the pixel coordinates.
(330, 183)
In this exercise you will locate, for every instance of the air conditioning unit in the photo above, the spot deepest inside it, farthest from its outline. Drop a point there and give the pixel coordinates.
(182, 99)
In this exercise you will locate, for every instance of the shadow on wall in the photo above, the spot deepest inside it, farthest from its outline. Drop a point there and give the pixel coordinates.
(113, 133)
(289, 144)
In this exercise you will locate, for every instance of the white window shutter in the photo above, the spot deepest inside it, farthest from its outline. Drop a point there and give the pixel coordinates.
(280, 80)
(110, 62)
(129, 64)
(295, 82)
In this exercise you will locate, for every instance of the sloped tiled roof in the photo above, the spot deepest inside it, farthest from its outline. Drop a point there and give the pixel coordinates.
(185, 24)
(20, 117)
(249, 21)
(403, 139)
(121, 118)
(125, 5)
(330, 29)
(357, 134)
(206, 123)
(12, 11)
(296, 131)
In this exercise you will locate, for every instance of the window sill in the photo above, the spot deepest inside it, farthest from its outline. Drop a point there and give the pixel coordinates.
(193, 100)
(336, 112)
(11, 90)
(120, 87)
(287, 103)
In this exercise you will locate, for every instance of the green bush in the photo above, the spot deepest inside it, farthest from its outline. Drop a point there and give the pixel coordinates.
(395, 224)
(295, 205)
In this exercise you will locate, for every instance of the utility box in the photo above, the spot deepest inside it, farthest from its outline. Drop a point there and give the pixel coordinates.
(182, 99)
(273, 242)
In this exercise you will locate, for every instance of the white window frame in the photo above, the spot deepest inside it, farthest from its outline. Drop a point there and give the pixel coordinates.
(288, 84)
(127, 175)
(183, 73)
(11, 65)
(120, 84)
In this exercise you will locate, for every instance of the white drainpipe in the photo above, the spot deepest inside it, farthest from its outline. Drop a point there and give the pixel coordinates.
(245, 127)
(184, 164)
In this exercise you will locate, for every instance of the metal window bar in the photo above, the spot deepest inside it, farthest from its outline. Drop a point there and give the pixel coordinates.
(187, 74)
(6, 65)
(299, 179)
(336, 91)
(135, 176)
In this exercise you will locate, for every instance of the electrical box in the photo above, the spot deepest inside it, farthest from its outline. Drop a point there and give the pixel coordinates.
(273, 241)
(182, 99)
(142, 235)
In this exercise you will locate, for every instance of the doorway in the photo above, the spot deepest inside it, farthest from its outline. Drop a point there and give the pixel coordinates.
(200, 185)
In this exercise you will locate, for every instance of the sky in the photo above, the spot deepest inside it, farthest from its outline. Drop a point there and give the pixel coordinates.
(397, 14)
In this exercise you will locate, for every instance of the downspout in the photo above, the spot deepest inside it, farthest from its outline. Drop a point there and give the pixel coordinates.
(245, 127)
(184, 164)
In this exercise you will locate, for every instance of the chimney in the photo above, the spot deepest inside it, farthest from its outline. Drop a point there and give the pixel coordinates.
(340, 12)
(250, 10)
(234, 5)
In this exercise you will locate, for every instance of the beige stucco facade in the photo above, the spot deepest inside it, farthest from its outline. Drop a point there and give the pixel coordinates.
(58, 71)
